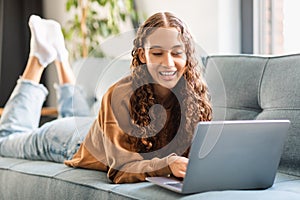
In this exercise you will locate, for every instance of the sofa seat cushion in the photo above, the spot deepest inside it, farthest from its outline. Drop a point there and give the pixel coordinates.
(25, 179)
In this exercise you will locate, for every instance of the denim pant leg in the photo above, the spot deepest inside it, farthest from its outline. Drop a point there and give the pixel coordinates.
(71, 101)
(56, 141)
(22, 111)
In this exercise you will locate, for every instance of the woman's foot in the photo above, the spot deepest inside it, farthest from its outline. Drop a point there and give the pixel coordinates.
(40, 43)
(47, 45)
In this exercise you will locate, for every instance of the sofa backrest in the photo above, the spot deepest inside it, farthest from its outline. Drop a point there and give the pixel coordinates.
(96, 75)
(257, 87)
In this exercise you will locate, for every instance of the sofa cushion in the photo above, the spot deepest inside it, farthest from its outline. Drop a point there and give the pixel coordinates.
(279, 97)
(233, 83)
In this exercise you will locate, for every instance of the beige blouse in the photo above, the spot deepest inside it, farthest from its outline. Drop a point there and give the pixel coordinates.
(106, 148)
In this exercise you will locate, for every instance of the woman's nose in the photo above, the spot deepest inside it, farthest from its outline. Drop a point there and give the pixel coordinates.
(169, 60)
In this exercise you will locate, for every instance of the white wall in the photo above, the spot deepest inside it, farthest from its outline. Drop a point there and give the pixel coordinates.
(215, 24)
(56, 9)
(229, 27)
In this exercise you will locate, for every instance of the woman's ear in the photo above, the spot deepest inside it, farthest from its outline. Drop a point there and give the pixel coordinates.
(141, 54)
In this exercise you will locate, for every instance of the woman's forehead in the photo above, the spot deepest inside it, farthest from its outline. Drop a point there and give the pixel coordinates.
(164, 37)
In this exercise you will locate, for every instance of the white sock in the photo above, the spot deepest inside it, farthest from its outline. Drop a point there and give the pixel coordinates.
(59, 43)
(48, 32)
(40, 46)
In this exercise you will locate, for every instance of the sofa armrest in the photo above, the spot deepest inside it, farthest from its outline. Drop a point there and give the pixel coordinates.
(46, 111)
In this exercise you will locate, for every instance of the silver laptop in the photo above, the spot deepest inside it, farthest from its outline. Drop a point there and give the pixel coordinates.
(231, 155)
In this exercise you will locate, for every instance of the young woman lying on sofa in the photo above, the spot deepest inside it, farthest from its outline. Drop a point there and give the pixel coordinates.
(146, 120)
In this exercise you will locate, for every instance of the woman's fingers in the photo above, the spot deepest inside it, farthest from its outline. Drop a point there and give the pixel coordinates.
(178, 166)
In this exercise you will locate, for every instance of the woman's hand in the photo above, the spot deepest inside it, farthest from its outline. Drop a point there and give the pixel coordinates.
(178, 166)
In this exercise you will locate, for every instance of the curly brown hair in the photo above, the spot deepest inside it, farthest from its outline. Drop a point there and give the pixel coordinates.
(190, 95)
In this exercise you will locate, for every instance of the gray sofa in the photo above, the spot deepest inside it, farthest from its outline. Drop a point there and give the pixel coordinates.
(241, 86)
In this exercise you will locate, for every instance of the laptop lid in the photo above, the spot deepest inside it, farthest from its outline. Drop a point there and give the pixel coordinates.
(233, 155)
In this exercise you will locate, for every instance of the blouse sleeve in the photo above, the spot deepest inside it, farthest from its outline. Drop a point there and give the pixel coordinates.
(124, 163)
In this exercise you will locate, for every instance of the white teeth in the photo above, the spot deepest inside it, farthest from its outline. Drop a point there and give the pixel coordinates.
(167, 73)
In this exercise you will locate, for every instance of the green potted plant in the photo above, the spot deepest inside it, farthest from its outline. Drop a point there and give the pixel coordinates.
(93, 21)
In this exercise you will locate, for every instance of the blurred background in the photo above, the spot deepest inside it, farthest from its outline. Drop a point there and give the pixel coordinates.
(263, 27)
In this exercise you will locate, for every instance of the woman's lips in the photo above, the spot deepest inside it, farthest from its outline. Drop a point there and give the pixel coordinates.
(167, 75)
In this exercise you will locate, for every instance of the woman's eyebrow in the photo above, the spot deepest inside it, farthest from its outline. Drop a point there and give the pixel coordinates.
(155, 47)
(177, 46)
(160, 47)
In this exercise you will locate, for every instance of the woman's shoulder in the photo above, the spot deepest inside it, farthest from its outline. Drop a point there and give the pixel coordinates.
(122, 87)
(118, 100)
(121, 90)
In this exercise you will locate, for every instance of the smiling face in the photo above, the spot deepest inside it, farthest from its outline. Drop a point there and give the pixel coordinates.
(164, 55)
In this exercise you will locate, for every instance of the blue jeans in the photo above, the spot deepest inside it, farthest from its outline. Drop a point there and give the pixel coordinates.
(58, 140)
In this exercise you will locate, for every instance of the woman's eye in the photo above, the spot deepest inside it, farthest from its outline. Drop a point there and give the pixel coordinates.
(157, 53)
(177, 53)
